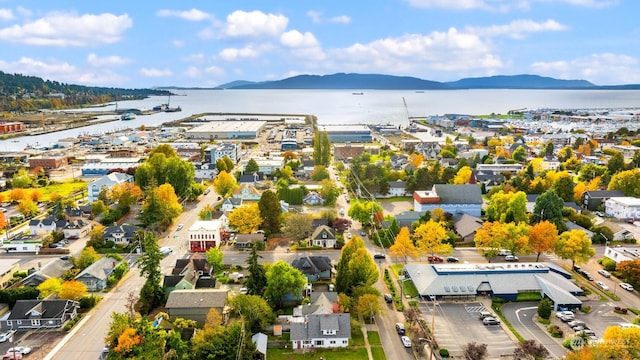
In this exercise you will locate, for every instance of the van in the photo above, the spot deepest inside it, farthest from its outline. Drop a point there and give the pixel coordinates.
(485, 314)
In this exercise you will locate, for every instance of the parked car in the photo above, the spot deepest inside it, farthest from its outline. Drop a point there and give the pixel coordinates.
(602, 285)
(12, 356)
(243, 290)
(600, 213)
(400, 328)
(24, 350)
(165, 250)
(349, 236)
(405, 341)
(206, 192)
(490, 321)
(435, 258)
(388, 298)
(180, 226)
(6, 335)
(363, 233)
(486, 314)
(626, 286)
(452, 259)
(379, 256)
(576, 323)
(604, 273)
(565, 314)
(511, 258)
(504, 252)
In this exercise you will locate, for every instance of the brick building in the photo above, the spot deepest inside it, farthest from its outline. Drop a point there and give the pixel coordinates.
(48, 163)
(11, 127)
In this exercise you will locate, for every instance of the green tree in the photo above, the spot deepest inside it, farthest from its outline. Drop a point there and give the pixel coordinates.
(270, 211)
(626, 181)
(283, 279)
(519, 154)
(616, 163)
(298, 226)
(544, 308)
(319, 173)
(507, 207)
(548, 149)
(98, 207)
(151, 294)
(326, 148)
(363, 211)
(222, 343)
(355, 269)
(368, 306)
(161, 206)
(565, 154)
(251, 167)
(224, 184)
(574, 245)
(257, 279)
(549, 207)
(329, 192)
(255, 311)
(96, 236)
(563, 187)
(215, 258)
(87, 257)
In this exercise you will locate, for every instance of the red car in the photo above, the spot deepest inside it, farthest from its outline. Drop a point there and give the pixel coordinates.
(435, 258)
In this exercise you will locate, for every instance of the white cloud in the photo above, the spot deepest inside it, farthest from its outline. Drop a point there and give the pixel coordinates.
(341, 19)
(503, 5)
(69, 29)
(153, 72)
(233, 54)
(177, 43)
(194, 58)
(601, 69)
(254, 24)
(316, 16)
(6, 14)
(518, 28)
(189, 15)
(415, 53)
(215, 71)
(108, 61)
(192, 72)
(205, 34)
(294, 39)
(63, 72)
(448, 4)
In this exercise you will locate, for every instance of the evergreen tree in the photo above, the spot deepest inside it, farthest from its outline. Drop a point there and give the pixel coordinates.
(257, 279)
(270, 211)
(151, 294)
(325, 148)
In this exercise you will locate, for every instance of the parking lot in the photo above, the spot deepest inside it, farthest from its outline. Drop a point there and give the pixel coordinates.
(457, 324)
(600, 317)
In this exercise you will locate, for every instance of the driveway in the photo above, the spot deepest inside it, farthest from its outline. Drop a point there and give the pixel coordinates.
(520, 315)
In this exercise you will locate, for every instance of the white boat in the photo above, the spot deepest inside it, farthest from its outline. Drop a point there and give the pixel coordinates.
(127, 116)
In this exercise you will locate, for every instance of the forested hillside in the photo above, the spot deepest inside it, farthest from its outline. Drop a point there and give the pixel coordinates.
(28, 93)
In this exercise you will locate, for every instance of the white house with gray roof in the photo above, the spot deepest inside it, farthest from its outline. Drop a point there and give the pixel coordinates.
(454, 199)
(503, 280)
(321, 331)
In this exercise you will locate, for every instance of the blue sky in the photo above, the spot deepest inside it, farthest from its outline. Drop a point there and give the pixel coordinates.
(140, 43)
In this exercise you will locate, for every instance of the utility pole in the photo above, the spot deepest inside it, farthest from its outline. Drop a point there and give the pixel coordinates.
(433, 326)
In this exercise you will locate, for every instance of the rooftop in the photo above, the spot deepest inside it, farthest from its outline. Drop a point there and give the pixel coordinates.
(229, 126)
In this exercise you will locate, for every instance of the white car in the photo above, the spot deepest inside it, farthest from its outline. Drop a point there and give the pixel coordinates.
(24, 350)
(510, 258)
(165, 250)
(5, 336)
(604, 273)
(406, 341)
(565, 315)
(180, 226)
(602, 285)
(626, 286)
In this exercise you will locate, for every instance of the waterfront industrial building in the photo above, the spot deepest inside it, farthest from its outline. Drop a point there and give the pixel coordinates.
(347, 133)
(237, 129)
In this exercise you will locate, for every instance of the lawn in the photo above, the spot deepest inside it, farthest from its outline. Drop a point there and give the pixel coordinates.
(374, 338)
(409, 287)
(351, 353)
(378, 353)
(64, 189)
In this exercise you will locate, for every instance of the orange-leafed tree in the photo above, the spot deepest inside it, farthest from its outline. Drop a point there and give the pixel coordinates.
(17, 194)
(27, 207)
(416, 159)
(49, 287)
(127, 341)
(35, 196)
(403, 247)
(430, 239)
(125, 194)
(490, 238)
(72, 290)
(543, 237)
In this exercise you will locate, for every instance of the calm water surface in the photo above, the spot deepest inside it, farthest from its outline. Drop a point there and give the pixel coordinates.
(342, 107)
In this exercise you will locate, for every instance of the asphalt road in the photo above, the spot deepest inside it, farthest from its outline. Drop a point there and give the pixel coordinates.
(521, 315)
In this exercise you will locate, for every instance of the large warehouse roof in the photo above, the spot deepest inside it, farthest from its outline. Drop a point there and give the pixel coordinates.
(229, 126)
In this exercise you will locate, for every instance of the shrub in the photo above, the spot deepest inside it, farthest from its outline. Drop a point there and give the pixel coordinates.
(586, 309)
(608, 264)
(89, 301)
(544, 321)
(444, 352)
(71, 323)
(544, 308)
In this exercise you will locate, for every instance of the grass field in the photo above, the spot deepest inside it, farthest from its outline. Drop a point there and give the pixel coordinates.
(64, 189)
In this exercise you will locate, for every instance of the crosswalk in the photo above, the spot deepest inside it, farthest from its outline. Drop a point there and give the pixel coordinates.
(474, 309)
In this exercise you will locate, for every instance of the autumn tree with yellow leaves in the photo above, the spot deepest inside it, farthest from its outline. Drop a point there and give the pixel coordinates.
(403, 247)
(430, 239)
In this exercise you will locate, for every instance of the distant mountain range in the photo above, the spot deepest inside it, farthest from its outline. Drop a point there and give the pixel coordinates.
(390, 82)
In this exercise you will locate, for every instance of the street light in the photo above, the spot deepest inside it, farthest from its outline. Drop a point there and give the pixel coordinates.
(402, 279)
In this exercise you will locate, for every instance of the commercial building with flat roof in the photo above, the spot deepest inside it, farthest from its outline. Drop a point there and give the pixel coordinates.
(347, 133)
(503, 280)
(235, 129)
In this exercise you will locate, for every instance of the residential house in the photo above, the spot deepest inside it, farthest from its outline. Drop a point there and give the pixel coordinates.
(624, 207)
(43, 226)
(323, 236)
(106, 182)
(624, 235)
(222, 216)
(206, 171)
(260, 341)
(120, 234)
(204, 234)
(454, 199)
(592, 200)
(228, 204)
(466, 226)
(321, 302)
(249, 179)
(321, 331)
(307, 167)
(95, 276)
(76, 229)
(313, 198)
(40, 314)
(620, 254)
(53, 269)
(246, 241)
(246, 193)
(347, 151)
(397, 188)
(313, 267)
(407, 218)
(573, 226)
(398, 161)
(195, 304)
(188, 274)
(531, 203)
